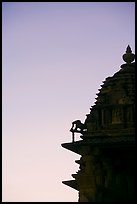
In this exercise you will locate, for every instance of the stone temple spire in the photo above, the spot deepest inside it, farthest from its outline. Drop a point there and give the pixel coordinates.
(107, 145)
(128, 57)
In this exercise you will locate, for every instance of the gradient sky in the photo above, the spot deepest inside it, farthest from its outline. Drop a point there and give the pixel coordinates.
(54, 59)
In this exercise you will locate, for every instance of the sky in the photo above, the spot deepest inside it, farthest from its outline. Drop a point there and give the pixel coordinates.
(55, 56)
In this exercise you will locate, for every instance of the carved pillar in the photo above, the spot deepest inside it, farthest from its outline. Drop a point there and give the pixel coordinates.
(102, 117)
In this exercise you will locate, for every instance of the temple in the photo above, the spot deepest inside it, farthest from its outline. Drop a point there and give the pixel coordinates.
(107, 145)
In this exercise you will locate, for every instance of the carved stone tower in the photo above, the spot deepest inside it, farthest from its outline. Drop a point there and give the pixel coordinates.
(107, 145)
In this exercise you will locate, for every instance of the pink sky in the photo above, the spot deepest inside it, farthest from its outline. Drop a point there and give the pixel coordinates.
(54, 59)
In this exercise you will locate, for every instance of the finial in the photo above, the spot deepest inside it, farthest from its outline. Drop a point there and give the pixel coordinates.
(128, 50)
(128, 57)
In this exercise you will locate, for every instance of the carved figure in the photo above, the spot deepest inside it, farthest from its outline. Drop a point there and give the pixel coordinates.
(77, 126)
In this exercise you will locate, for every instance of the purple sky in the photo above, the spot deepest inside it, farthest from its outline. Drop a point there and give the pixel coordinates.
(55, 57)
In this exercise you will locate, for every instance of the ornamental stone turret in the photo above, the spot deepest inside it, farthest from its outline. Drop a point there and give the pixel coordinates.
(107, 148)
(128, 56)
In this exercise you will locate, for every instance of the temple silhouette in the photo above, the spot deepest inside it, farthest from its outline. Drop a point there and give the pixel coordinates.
(107, 145)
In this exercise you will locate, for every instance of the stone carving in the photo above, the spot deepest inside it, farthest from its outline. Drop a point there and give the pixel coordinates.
(77, 126)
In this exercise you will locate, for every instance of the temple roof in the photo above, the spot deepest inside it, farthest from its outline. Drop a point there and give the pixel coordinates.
(111, 121)
(120, 88)
(115, 103)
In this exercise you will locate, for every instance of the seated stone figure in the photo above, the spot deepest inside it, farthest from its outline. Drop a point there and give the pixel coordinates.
(77, 126)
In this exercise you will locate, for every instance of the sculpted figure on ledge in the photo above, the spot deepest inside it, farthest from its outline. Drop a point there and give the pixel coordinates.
(77, 126)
